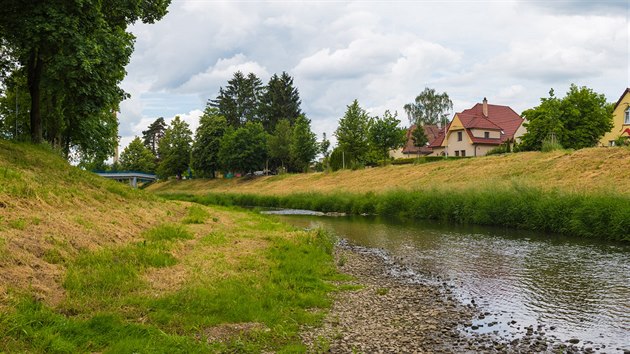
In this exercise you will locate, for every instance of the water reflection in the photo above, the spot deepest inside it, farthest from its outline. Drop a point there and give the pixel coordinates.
(580, 287)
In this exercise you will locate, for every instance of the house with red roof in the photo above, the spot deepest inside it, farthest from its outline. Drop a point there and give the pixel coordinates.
(621, 121)
(475, 131)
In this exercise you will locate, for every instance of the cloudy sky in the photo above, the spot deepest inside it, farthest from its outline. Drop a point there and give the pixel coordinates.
(382, 53)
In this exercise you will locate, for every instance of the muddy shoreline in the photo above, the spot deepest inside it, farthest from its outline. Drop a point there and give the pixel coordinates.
(389, 310)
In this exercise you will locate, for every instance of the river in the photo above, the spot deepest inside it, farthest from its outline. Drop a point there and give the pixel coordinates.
(568, 288)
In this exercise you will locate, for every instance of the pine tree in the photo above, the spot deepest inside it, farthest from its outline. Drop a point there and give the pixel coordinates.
(303, 144)
(352, 133)
(151, 137)
(238, 101)
(280, 100)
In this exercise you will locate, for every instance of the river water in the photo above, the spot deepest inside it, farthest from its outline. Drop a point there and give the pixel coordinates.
(567, 288)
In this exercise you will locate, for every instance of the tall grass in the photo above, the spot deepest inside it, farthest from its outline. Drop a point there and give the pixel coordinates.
(603, 216)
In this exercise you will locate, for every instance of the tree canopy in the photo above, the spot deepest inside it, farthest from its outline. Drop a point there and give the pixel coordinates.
(244, 149)
(429, 107)
(239, 101)
(137, 157)
(174, 149)
(386, 135)
(72, 56)
(303, 146)
(151, 137)
(577, 121)
(280, 100)
(205, 151)
(352, 133)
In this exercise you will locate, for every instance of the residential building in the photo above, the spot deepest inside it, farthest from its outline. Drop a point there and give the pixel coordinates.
(475, 131)
(621, 120)
(410, 149)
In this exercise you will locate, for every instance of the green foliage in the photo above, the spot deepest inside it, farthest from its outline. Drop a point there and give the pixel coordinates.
(340, 159)
(550, 143)
(429, 107)
(280, 100)
(244, 149)
(196, 215)
(594, 215)
(303, 147)
(279, 144)
(205, 150)
(420, 139)
(137, 157)
(578, 120)
(151, 137)
(73, 55)
(174, 149)
(385, 135)
(238, 101)
(352, 133)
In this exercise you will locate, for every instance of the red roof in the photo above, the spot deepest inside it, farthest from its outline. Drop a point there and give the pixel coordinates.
(621, 98)
(501, 118)
(430, 130)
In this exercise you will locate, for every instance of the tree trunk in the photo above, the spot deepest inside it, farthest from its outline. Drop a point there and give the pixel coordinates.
(35, 67)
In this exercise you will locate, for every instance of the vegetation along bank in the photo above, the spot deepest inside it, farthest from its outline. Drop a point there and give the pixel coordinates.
(91, 265)
(581, 193)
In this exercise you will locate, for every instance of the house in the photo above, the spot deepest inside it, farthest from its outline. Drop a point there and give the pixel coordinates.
(475, 131)
(621, 120)
(410, 150)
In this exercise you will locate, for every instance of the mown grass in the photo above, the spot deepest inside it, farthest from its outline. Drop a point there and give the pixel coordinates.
(603, 216)
(108, 308)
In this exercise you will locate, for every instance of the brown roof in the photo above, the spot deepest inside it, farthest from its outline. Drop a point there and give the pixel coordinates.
(621, 98)
(430, 130)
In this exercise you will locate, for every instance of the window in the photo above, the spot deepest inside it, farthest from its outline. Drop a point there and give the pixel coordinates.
(627, 119)
(611, 143)
(463, 152)
(459, 136)
(456, 152)
(486, 135)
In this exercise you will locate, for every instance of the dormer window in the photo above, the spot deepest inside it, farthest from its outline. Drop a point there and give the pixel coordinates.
(627, 119)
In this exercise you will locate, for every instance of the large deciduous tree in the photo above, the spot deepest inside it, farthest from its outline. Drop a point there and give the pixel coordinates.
(205, 151)
(279, 143)
(73, 56)
(429, 107)
(386, 135)
(303, 144)
(244, 149)
(280, 100)
(137, 157)
(577, 121)
(174, 149)
(352, 133)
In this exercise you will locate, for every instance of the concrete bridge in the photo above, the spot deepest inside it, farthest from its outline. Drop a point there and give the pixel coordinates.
(131, 176)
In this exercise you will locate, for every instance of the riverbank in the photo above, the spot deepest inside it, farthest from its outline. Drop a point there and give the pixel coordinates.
(594, 170)
(91, 265)
(600, 216)
(392, 311)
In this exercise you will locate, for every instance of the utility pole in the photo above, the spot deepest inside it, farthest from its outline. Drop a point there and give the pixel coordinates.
(16, 112)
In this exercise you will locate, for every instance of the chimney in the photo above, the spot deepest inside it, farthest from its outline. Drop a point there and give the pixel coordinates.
(485, 107)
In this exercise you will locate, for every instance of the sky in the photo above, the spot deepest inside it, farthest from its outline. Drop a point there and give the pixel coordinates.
(382, 53)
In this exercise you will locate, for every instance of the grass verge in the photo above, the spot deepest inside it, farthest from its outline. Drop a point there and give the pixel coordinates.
(250, 292)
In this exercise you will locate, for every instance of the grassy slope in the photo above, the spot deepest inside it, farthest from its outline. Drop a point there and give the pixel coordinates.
(589, 170)
(90, 265)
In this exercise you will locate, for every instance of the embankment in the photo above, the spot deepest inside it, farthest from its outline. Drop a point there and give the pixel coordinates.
(584, 193)
(91, 265)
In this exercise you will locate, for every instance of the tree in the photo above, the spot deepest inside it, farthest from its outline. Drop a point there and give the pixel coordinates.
(303, 144)
(174, 149)
(238, 101)
(576, 121)
(280, 100)
(385, 135)
(244, 149)
(137, 157)
(73, 55)
(420, 139)
(324, 145)
(279, 144)
(151, 137)
(205, 151)
(429, 107)
(352, 133)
